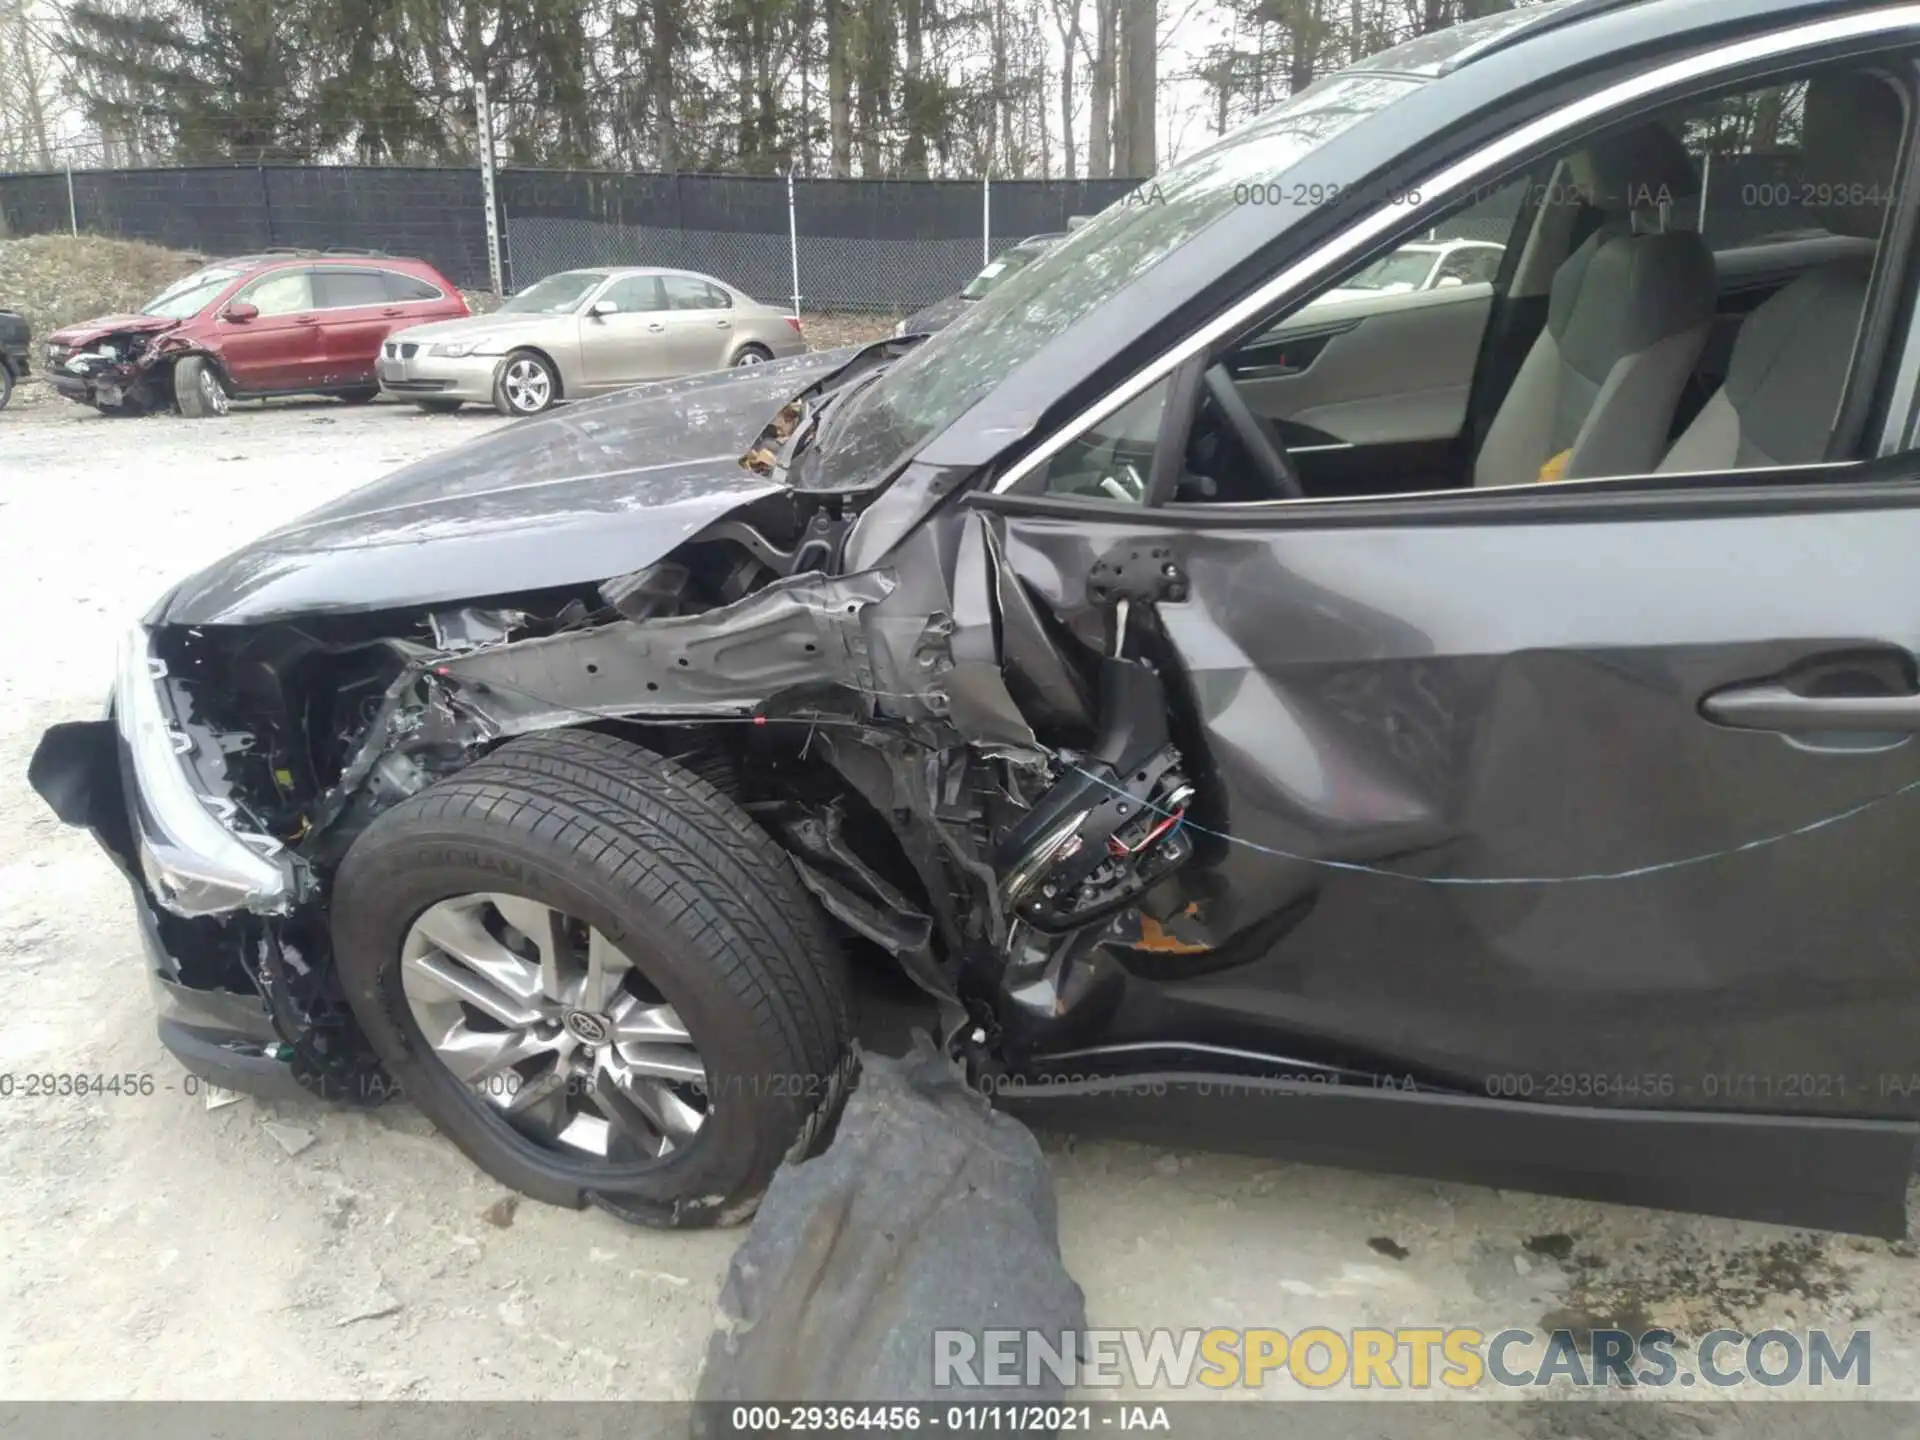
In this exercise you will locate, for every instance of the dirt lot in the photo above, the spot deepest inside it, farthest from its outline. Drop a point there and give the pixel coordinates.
(159, 1248)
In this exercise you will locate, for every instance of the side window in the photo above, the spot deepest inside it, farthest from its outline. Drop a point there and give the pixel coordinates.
(718, 299)
(635, 294)
(335, 289)
(1748, 151)
(1114, 457)
(686, 292)
(287, 292)
(405, 288)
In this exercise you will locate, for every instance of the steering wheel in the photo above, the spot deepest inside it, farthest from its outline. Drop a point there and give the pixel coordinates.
(1257, 435)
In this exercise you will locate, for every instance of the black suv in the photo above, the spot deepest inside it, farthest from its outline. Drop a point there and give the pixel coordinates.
(14, 338)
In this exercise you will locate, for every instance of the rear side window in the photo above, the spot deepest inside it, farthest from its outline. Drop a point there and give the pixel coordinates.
(408, 287)
(286, 292)
(685, 292)
(340, 289)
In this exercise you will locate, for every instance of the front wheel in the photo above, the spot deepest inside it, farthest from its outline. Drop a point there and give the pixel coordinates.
(197, 388)
(6, 384)
(527, 384)
(598, 977)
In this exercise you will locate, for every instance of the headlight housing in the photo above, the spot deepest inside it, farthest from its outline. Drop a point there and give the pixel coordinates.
(194, 861)
(460, 349)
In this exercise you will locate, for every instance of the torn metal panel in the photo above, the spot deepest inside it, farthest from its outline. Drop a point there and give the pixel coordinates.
(981, 708)
(803, 631)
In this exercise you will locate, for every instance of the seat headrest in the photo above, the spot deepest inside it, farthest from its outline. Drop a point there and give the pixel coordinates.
(1638, 169)
(1850, 145)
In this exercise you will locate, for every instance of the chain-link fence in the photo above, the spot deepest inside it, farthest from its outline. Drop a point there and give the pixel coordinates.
(873, 245)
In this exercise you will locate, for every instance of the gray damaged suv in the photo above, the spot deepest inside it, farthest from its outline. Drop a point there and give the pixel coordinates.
(1470, 736)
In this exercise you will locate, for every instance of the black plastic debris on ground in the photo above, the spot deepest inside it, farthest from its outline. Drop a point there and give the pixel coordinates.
(929, 1212)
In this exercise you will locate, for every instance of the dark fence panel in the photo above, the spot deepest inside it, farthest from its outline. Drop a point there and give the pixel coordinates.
(434, 214)
(33, 204)
(227, 209)
(863, 244)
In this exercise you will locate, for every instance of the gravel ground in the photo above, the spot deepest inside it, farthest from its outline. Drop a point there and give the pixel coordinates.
(159, 1248)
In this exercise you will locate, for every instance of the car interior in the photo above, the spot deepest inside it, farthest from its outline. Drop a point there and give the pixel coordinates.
(1684, 294)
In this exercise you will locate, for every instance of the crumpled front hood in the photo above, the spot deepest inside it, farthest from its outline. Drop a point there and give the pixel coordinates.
(85, 332)
(575, 496)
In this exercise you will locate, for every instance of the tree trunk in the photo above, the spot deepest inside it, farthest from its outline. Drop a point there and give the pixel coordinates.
(1106, 24)
(1141, 21)
(1069, 42)
(660, 53)
(913, 157)
(839, 127)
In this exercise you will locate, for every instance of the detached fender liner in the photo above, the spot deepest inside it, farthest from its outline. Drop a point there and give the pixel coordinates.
(1849, 1175)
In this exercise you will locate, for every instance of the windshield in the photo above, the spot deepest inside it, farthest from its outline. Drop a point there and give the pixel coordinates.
(942, 377)
(1402, 270)
(187, 297)
(556, 295)
(1002, 268)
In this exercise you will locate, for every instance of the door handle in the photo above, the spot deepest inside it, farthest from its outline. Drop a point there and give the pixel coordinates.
(1769, 706)
(656, 325)
(393, 310)
(304, 320)
(724, 324)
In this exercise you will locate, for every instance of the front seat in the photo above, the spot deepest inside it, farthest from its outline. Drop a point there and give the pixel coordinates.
(1627, 316)
(1790, 360)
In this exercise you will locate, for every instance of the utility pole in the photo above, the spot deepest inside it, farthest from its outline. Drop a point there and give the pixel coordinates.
(483, 112)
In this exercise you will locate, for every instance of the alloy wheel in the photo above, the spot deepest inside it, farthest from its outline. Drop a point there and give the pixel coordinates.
(529, 387)
(748, 357)
(553, 1026)
(212, 393)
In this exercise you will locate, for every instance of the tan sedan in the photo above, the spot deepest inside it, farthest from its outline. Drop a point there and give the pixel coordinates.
(581, 333)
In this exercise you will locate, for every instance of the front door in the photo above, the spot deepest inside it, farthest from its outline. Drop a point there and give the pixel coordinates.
(282, 347)
(629, 343)
(1504, 796)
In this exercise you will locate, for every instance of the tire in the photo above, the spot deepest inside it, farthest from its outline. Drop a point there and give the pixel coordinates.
(6, 384)
(362, 396)
(676, 877)
(197, 388)
(526, 384)
(752, 355)
(439, 407)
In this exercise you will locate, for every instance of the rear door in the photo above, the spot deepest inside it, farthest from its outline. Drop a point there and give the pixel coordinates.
(281, 348)
(356, 313)
(630, 344)
(699, 323)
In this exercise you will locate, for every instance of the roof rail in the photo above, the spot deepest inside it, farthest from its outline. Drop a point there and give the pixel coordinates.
(285, 250)
(353, 250)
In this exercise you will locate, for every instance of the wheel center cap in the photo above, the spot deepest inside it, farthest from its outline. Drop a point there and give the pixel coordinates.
(587, 1027)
